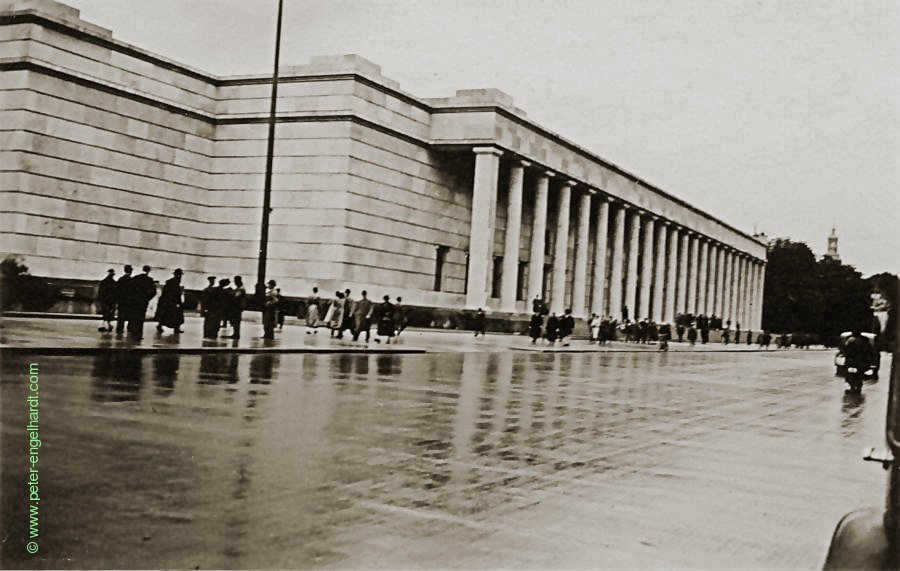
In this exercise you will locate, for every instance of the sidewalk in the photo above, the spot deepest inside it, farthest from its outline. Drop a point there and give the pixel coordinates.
(67, 336)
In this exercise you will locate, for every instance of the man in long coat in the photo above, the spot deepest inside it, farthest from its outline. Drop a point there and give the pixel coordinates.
(141, 290)
(362, 316)
(236, 307)
(123, 310)
(270, 310)
(170, 310)
(210, 323)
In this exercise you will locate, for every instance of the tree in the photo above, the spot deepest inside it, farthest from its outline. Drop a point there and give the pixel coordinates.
(823, 298)
(18, 289)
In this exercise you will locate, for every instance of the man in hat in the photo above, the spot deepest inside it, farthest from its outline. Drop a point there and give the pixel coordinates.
(236, 307)
(142, 289)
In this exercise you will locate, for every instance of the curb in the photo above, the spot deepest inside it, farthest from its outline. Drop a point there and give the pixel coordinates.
(71, 351)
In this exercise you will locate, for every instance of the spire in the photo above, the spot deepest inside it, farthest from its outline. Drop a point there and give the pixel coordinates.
(833, 246)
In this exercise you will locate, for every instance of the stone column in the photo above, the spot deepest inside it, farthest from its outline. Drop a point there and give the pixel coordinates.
(681, 299)
(538, 233)
(646, 270)
(631, 274)
(600, 239)
(735, 261)
(659, 264)
(760, 289)
(720, 281)
(579, 281)
(671, 282)
(481, 232)
(693, 275)
(509, 281)
(742, 293)
(728, 290)
(560, 252)
(703, 280)
(616, 264)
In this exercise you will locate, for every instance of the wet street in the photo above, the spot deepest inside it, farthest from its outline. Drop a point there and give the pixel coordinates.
(452, 460)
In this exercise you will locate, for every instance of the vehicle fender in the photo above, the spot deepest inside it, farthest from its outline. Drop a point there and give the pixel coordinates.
(859, 542)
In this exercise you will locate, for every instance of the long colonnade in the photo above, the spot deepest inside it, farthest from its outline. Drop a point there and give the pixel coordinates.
(634, 264)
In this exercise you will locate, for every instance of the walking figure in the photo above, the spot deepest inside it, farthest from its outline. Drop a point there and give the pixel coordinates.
(106, 298)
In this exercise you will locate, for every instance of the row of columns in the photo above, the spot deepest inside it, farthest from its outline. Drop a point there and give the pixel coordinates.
(675, 270)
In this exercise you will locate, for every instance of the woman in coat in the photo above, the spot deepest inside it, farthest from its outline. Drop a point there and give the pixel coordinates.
(336, 313)
(535, 327)
(385, 315)
(169, 309)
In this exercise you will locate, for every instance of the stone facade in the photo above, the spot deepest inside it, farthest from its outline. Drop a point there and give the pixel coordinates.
(115, 155)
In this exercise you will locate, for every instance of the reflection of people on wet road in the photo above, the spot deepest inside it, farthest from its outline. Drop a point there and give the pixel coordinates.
(123, 310)
(479, 322)
(270, 311)
(106, 298)
(141, 289)
(169, 311)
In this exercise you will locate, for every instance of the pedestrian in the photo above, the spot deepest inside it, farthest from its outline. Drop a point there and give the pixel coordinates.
(642, 331)
(692, 335)
(170, 309)
(270, 310)
(141, 290)
(479, 322)
(726, 335)
(312, 312)
(749, 337)
(123, 309)
(106, 299)
(594, 326)
(347, 321)
(704, 331)
(551, 330)
(362, 316)
(535, 326)
(335, 315)
(679, 330)
(665, 334)
(281, 309)
(566, 326)
(385, 316)
(607, 330)
(235, 310)
(399, 316)
(210, 319)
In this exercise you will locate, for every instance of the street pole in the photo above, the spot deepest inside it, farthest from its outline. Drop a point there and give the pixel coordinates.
(267, 188)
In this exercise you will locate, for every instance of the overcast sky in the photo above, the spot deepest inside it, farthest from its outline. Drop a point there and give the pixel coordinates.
(779, 116)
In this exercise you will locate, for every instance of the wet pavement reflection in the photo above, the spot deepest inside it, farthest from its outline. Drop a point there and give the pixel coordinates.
(453, 460)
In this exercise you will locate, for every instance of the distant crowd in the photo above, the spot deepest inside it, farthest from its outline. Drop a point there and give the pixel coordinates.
(125, 301)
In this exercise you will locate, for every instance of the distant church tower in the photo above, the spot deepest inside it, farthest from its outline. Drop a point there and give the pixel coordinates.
(832, 246)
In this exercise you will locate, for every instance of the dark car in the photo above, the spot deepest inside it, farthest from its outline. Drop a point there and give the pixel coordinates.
(870, 538)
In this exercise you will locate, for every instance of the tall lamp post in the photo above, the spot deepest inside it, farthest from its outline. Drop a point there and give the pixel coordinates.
(267, 188)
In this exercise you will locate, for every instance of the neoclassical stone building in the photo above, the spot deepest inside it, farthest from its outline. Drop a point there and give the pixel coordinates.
(112, 155)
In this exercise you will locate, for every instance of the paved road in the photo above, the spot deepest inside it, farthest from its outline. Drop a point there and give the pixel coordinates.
(455, 460)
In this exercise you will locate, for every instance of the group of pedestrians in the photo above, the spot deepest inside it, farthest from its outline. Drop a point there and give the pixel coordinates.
(343, 313)
(222, 305)
(557, 327)
(125, 300)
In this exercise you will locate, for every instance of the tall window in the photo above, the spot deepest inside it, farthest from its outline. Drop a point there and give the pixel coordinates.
(440, 258)
(496, 276)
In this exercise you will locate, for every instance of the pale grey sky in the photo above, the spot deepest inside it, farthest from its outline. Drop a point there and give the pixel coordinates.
(776, 115)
